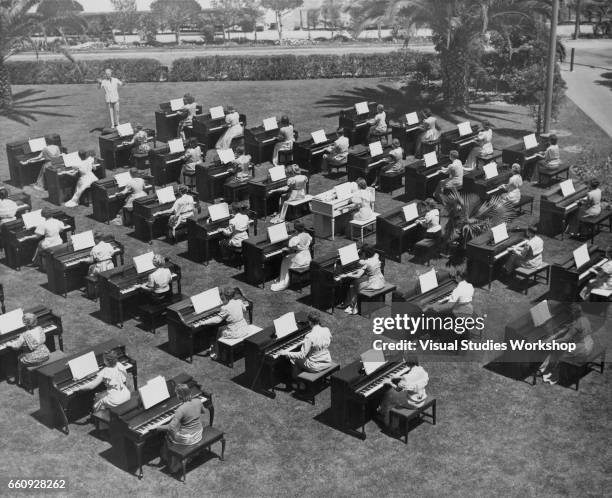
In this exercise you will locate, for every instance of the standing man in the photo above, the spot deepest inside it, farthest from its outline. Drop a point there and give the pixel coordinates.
(111, 86)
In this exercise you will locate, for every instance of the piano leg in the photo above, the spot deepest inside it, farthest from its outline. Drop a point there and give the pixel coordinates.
(139, 446)
(62, 412)
(491, 265)
(135, 377)
(150, 226)
(211, 412)
(120, 313)
(191, 351)
(364, 407)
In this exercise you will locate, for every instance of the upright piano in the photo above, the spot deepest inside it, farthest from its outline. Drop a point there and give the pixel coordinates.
(476, 182)
(355, 396)
(394, 235)
(122, 284)
(208, 129)
(451, 140)
(210, 178)
(555, 209)
(483, 255)
(24, 204)
(115, 150)
(203, 238)
(264, 368)
(18, 152)
(407, 134)
(67, 268)
(20, 242)
(415, 301)
(566, 281)
(132, 427)
(355, 125)
(360, 163)
(107, 200)
(526, 158)
(259, 143)
(308, 154)
(264, 195)
(61, 180)
(60, 403)
(420, 181)
(330, 212)
(165, 166)
(167, 121)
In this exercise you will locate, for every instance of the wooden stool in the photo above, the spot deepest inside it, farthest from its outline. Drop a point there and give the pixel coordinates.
(183, 452)
(285, 157)
(373, 296)
(524, 201)
(593, 224)
(231, 349)
(362, 227)
(391, 180)
(315, 382)
(483, 159)
(405, 415)
(26, 375)
(151, 313)
(427, 248)
(189, 178)
(100, 418)
(299, 277)
(298, 208)
(570, 372)
(533, 274)
(140, 160)
(547, 177)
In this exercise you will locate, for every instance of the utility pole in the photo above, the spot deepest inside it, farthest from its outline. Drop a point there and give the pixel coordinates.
(552, 60)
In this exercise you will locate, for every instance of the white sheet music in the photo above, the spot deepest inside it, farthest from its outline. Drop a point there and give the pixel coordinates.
(530, 141)
(431, 158)
(344, 190)
(567, 187)
(428, 281)
(490, 170)
(32, 219)
(464, 128)
(411, 211)
(123, 178)
(285, 324)
(11, 321)
(176, 104)
(362, 108)
(500, 233)
(37, 144)
(226, 155)
(83, 240)
(372, 360)
(277, 173)
(376, 149)
(83, 365)
(319, 136)
(153, 392)
(348, 254)
(71, 159)
(165, 195)
(217, 112)
(270, 124)
(144, 262)
(277, 233)
(218, 211)
(125, 129)
(176, 146)
(206, 300)
(581, 256)
(540, 313)
(412, 118)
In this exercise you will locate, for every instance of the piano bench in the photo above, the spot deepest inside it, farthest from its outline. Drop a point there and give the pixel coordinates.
(542, 272)
(426, 249)
(547, 177)
(189, 178)
(91, 287)
(229, 350)
(299, 277)
(140, 160)
(151, 313)
(101, 418)
(391, 181)
(184, 452)
(314, 382)
(26, 375)
(571, 371)
(593, 224)
(285, 157)
(524, 201)
(403, 416)
(363, 226)
(298, 208)
(482, 159)
(127, 217)
(373, 296)
(237, 142)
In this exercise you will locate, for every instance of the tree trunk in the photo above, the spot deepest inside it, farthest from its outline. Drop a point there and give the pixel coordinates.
(6, 95)
(279, 27)
(177, 35)
(379, 32)
(577, 25)
(455, 79)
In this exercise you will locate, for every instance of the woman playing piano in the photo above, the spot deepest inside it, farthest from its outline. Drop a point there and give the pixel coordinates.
(483, 147)
(8, 207)
(298, 256)
(513, 187)
(86, 177)
(429, 137)
(159, 283)
(296, 189)
(192, 157)
(431, 220)
(31, 344)
(234, 130)
(188, 111)
(134, 189)
(368, 277)
(140, 141)
(591, 206)
(237, 231)
(529, 254)
(336, 155)
(603, 277)
(101, 256)
(242, 164)
(182, 209)
(51, 230)
(396, 164)
(459, 303)
(378, 124)
(46, 154)
(363, 198)
(285, 139)
(552, 159)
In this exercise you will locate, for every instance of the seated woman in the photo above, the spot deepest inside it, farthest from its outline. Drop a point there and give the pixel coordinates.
(405, 391)
(429, 137)
(113, 376)
(602, 277)
(182, 209)
(396, 155)
(187, 112)
(192, 157)
(378, 124)
(185, 428)
(296, 189)
(159, 283)
(459, 303)
(134, 189)
(336, 155)
(431, 220)
(236, 232)
(513, 187)
(234, 130)
(363, 198)
(242, 164)
(590, 207)
(455, 172)
(529, 255)
(101, 256)
(47, 154)
(551, 161)
(86, 177)
(8, 207)
(31, 344)
(368, 277)
(314, 355)
(140, 141)
(298, 256)
(285, 138)
(51, 229)
(484, 145)
(231, 316)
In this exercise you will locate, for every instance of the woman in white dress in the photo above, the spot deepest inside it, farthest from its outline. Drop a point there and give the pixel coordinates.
(368, 277)
(298, 256)
(296, 189)
(591, 206)
(86, 177)
(51, 229)
(484, 145)
(363, 198)
(513, 187)
(188, 111)
(234, 130)
(182, 209)
(47, 154)
(285, 139)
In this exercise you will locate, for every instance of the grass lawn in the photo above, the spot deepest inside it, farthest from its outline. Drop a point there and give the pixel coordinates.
(495, 436)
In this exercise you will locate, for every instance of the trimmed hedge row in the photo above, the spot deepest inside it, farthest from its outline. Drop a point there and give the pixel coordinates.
(235, 68)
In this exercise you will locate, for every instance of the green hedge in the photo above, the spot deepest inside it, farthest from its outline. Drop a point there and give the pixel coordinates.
(235, 68)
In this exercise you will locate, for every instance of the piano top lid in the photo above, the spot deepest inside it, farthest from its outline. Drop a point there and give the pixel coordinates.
(554, 194)
(482, 241)
(353, 373)
(523, 323)
(595, 253)
(266, 336)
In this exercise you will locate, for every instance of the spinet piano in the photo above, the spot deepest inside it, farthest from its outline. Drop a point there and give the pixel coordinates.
(210, 178)
(61, 180)
(361, 164)
(203, 238)
(167, 121)
(450, 140)
(118, 285)
(107, 200)
(483, 255)
(165, 166)
(186, 333)
(356, 126)
(555, 209)
(52, 327)
(308, 155)
(26, 174)
(420, 181)
(330, 213)
(259, 143)
(115, 150)
(264, 368)
(476, 182)
(407, 134)
(355, 396)
(415, 301)
(132, 427)
(264, 194)
(24, 204)
(208, 130)
(67, 268)
(394, 235)
(20, 243)
(566, 281)
(526, 158)
(60, 404)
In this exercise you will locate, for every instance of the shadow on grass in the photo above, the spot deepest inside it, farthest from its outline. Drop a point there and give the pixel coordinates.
(26, 108)
(606, 81)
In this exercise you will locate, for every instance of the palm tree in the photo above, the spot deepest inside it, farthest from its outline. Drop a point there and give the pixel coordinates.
(460, 30)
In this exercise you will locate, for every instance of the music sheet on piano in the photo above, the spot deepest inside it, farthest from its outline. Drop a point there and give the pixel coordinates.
(372, 360)
(165, 195)
(125, 129)
(122, 178)
(218, 211)
(277, 233)
(376, 149)
(32, 219)
(348, 254)
(83, 365)
(500, 233)
(540, 313)
(362, 108)
(270, 124)
(490, 170)
(567, 187)
(411, 212)
(176, 104)
(412, 118)
(344, 190)
(144, 262)
(431, 159)
(581, 256)
(530, 141)
(319, 136)
(153, 392)
(277, 173)
(37, 144)
(176, 146)
(83, 240)
(216, 112)
(428, 281)
(285, 325)
(226, 155)
(464, 128)
(206, 300)
(71, 160)
(11, 321)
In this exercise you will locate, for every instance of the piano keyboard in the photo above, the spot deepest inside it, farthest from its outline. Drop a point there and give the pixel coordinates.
(175, 160)
(592, 268)
(374, 386)
(492, 191)
(539, 154)
(437, 299)
(134, 287)
(84, 259)
(285, 348)
(160, 420)
(383, 160)
(431, 175)
(271, 254)
(409, 227)
(347, 271)
(215, 232)
(70, 389)
(503, 253)
(200, 322)
(267, 140)
(21, 239)
(222, 174)
(46, 328)
(571, 206)
(217, 128)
